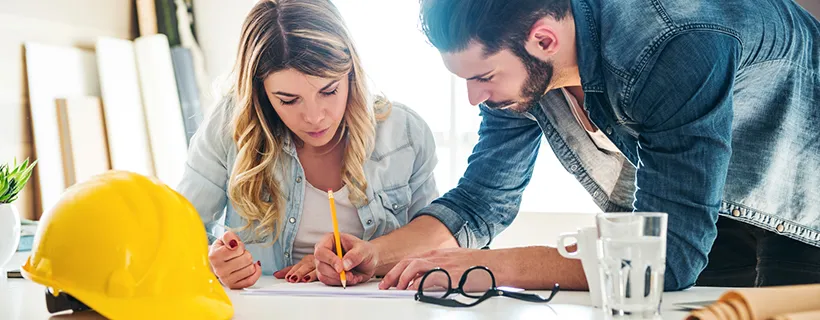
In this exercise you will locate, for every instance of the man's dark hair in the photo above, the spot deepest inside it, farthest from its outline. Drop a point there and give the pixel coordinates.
(450, 25)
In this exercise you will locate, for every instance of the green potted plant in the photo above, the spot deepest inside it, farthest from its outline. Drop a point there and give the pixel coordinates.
(13, 179)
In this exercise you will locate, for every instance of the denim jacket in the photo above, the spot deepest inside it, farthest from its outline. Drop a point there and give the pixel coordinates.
(714, 106)
(399, 175)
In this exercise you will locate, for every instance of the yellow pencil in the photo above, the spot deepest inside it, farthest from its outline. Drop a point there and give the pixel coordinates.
(336, 234)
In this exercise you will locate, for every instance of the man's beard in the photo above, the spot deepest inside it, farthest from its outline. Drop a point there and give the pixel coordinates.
(539, 75)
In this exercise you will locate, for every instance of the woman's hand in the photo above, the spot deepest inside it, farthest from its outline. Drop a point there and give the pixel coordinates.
(304, 271)
(360, 260)
(232, 264)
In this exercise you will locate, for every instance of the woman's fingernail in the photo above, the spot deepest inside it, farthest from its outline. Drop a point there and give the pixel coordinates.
(259, 263)
(294, 278)
(233, 244)
(306, 279)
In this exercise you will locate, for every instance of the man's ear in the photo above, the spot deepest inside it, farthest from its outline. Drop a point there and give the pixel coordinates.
(542, 41)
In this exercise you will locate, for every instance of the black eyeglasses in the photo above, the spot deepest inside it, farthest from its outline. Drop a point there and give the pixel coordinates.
(479, 276)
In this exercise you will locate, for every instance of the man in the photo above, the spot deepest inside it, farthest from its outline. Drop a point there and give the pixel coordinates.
(705, 110)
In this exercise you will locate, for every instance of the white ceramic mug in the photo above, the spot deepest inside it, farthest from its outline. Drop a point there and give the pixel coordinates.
(587, 247)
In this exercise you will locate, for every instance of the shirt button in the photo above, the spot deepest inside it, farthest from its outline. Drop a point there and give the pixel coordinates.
(292, 220)
(780, 228)
(369, 222)
(596, 194)
(298, 179)
(574, 167)
(608, 130)
(287, 254)
(395, 206)
(736, 213)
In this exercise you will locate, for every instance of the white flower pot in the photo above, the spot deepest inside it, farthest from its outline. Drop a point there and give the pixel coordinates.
(9, 232)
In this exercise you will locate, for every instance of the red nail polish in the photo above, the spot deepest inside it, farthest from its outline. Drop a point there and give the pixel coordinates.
(294, 278)
(233, 244)
(259, 263)
(306, 278)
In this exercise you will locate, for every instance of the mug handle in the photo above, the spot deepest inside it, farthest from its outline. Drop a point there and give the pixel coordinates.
(562, 249)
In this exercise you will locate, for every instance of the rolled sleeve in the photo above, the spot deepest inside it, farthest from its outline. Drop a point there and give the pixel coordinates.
(488, 196)
(453, 221)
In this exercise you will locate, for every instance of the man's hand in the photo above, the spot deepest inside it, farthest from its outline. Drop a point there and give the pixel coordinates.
(304, 271)
(407, 273)
(535, 267)
(360, 260)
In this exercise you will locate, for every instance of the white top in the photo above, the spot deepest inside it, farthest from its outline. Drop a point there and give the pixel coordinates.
(316, 220)
(597, 136)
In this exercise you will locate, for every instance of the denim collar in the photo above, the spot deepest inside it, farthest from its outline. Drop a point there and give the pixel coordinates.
(588, 46)
(288, 145)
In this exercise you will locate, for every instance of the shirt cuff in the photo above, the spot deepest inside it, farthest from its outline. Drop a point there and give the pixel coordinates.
(453, 221)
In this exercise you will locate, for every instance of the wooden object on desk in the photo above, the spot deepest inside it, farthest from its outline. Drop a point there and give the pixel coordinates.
(124, 115)
(82, 138)
(52, 72)
(787, 302)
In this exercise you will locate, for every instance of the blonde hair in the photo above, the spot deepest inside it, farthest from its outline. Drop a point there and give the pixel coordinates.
(308, 36)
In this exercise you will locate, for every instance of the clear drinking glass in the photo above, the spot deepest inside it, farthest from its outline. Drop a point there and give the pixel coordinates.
(633, 261)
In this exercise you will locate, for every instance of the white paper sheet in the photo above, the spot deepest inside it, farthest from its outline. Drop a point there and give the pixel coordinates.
(318, 289)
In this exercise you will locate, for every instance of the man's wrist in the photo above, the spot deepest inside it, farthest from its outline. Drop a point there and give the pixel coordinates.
(536, 267)
(381, 254)
(422, 234)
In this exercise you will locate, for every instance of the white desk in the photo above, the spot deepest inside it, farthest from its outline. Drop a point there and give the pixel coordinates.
(23, 299)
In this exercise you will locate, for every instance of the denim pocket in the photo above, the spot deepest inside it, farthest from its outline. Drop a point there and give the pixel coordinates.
(397, 201)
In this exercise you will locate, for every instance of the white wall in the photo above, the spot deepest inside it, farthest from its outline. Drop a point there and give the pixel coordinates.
(218, 24)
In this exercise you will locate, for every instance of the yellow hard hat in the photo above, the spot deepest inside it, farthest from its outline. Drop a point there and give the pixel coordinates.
(128, 247)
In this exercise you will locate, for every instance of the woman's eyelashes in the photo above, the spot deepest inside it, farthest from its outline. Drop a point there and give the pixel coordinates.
(289, 102)
(324, 93)
(330, 93)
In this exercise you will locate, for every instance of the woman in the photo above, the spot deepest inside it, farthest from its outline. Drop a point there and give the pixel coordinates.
(297, 122)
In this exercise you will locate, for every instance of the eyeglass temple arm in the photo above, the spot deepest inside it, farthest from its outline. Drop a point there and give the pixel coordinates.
(532, 297)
